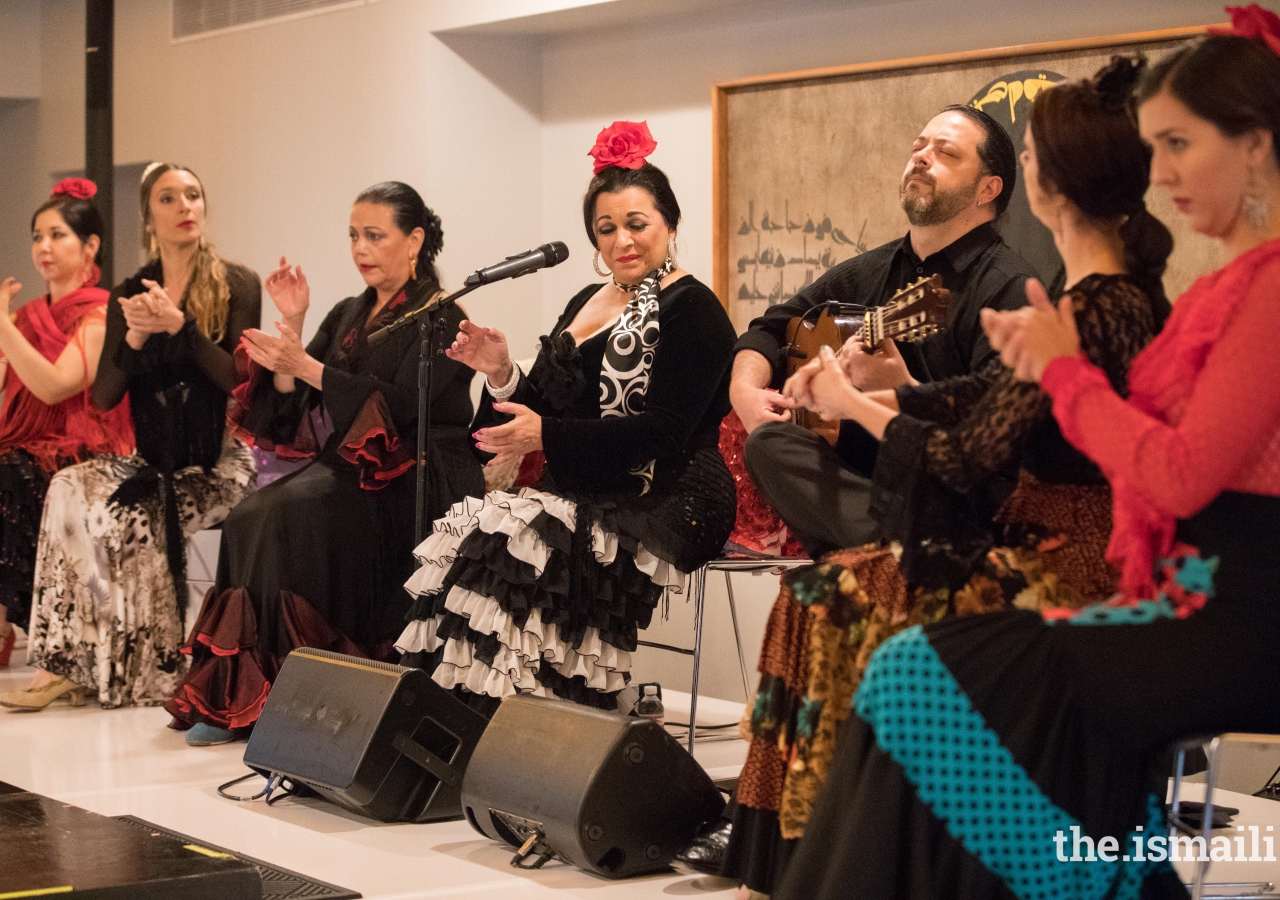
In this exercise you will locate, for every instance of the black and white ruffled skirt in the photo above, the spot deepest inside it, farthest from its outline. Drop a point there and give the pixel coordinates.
(532, 592)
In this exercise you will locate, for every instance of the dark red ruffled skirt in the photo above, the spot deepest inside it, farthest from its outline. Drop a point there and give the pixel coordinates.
(231, 673)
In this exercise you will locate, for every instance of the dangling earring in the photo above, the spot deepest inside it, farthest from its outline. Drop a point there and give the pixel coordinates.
(413, 266)
(151, 244)
(595, 264)
(671, 250)
(1254, 205)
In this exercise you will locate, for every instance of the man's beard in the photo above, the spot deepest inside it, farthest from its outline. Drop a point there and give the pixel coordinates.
(935, 208)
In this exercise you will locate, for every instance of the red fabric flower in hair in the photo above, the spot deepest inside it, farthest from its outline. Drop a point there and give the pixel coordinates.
(1252, 21)
(80, 188)
(622, 144)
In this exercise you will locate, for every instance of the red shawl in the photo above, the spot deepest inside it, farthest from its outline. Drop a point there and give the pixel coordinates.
(68, 429)
(1161, 382)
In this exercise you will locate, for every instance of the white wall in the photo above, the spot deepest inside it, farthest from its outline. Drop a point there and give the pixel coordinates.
(287, 122)
(663, 71)
(489, 108)
(19, 49)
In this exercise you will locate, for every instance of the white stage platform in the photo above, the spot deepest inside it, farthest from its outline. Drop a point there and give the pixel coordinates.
(126, 762)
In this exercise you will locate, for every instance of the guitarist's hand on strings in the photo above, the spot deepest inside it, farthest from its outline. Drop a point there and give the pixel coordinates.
(881, 370)
(755, 406)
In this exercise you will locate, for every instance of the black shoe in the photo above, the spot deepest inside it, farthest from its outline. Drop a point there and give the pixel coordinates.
(705, 853)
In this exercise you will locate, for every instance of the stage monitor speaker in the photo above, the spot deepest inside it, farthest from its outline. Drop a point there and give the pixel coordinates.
(381, 740)
(612, 794)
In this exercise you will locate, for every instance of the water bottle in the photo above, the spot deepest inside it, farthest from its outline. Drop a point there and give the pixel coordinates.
(649, 706)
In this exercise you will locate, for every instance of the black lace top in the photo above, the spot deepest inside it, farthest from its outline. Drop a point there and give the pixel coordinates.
(177, 384)
(956, 434)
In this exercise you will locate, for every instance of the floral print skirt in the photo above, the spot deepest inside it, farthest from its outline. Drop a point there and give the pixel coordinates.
(105, 612)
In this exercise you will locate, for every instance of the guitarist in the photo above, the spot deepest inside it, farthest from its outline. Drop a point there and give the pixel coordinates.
(957, 182)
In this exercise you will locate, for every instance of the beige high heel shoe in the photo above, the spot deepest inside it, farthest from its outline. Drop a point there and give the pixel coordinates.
(34, 699)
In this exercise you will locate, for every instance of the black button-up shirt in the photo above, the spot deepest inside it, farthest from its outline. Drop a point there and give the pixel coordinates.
(978, 268)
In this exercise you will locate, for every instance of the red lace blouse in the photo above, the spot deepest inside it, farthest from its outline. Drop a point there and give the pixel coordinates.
(1203, 414)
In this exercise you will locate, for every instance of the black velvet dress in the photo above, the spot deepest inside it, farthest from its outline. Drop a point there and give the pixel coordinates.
(544, 590)
(318, 558)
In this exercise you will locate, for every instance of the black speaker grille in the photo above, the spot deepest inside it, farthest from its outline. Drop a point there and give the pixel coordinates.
(353, 660)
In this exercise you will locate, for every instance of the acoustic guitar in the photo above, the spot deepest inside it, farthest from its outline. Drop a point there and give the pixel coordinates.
(912, 314)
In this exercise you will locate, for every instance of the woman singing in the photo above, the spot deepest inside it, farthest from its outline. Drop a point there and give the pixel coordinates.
(50, 357)
(110, 569)
(543, 591)
(1038, 725)
(319, 558)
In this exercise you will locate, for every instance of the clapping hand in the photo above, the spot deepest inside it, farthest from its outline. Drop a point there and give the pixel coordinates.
(283, 355)
(152, 312)
(482, 349)
(1030, 338)
(8, 288)
(514, 439)
(830, 392)
(289, 290)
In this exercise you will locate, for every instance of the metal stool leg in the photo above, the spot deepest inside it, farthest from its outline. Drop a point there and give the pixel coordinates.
(1202, 867)
(698, 582)
(737, 636)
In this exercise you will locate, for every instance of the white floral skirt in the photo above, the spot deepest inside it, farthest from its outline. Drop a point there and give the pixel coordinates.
(105, 612)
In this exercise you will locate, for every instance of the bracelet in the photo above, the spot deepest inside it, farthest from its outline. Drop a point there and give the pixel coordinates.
(502, 393)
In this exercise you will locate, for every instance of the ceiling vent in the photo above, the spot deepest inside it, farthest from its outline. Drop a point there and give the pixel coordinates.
(200, 18)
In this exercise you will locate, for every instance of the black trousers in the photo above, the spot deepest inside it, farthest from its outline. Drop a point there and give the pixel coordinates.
(824, 502)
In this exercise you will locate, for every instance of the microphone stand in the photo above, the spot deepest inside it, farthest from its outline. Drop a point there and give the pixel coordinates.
(425, 317)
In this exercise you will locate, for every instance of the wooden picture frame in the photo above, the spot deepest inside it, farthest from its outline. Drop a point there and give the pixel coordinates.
(785, 134)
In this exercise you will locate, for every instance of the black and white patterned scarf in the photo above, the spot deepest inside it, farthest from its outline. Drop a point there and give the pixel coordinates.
(628, 357)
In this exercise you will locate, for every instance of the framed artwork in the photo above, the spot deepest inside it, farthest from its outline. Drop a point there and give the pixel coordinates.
(807, 164)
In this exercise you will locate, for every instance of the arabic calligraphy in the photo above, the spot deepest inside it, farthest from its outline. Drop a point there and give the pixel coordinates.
(1013, 91)
(803, 261)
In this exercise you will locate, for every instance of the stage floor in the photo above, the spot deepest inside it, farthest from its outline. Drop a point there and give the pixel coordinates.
(126, 762)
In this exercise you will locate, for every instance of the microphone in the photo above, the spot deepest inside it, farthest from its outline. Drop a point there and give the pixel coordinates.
(543, 257)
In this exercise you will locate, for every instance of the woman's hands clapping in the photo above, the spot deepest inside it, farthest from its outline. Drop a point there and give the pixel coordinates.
(485, 350)
(283, 355)
(152, 312)
(514, 439)
(1032, 337)
(8, 288)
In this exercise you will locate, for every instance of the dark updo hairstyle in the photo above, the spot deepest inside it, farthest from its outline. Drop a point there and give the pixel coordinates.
(1233, 82)
(613, 179)
(409, 212)
(995, 152)
(1088, 150)
(81, 216)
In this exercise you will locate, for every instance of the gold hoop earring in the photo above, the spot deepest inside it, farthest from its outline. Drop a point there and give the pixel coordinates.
(595, 264)
(413, 266)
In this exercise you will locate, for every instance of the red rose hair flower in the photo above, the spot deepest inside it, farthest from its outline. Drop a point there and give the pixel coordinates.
(80, 188)
(622, 144)
(1252, 21)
